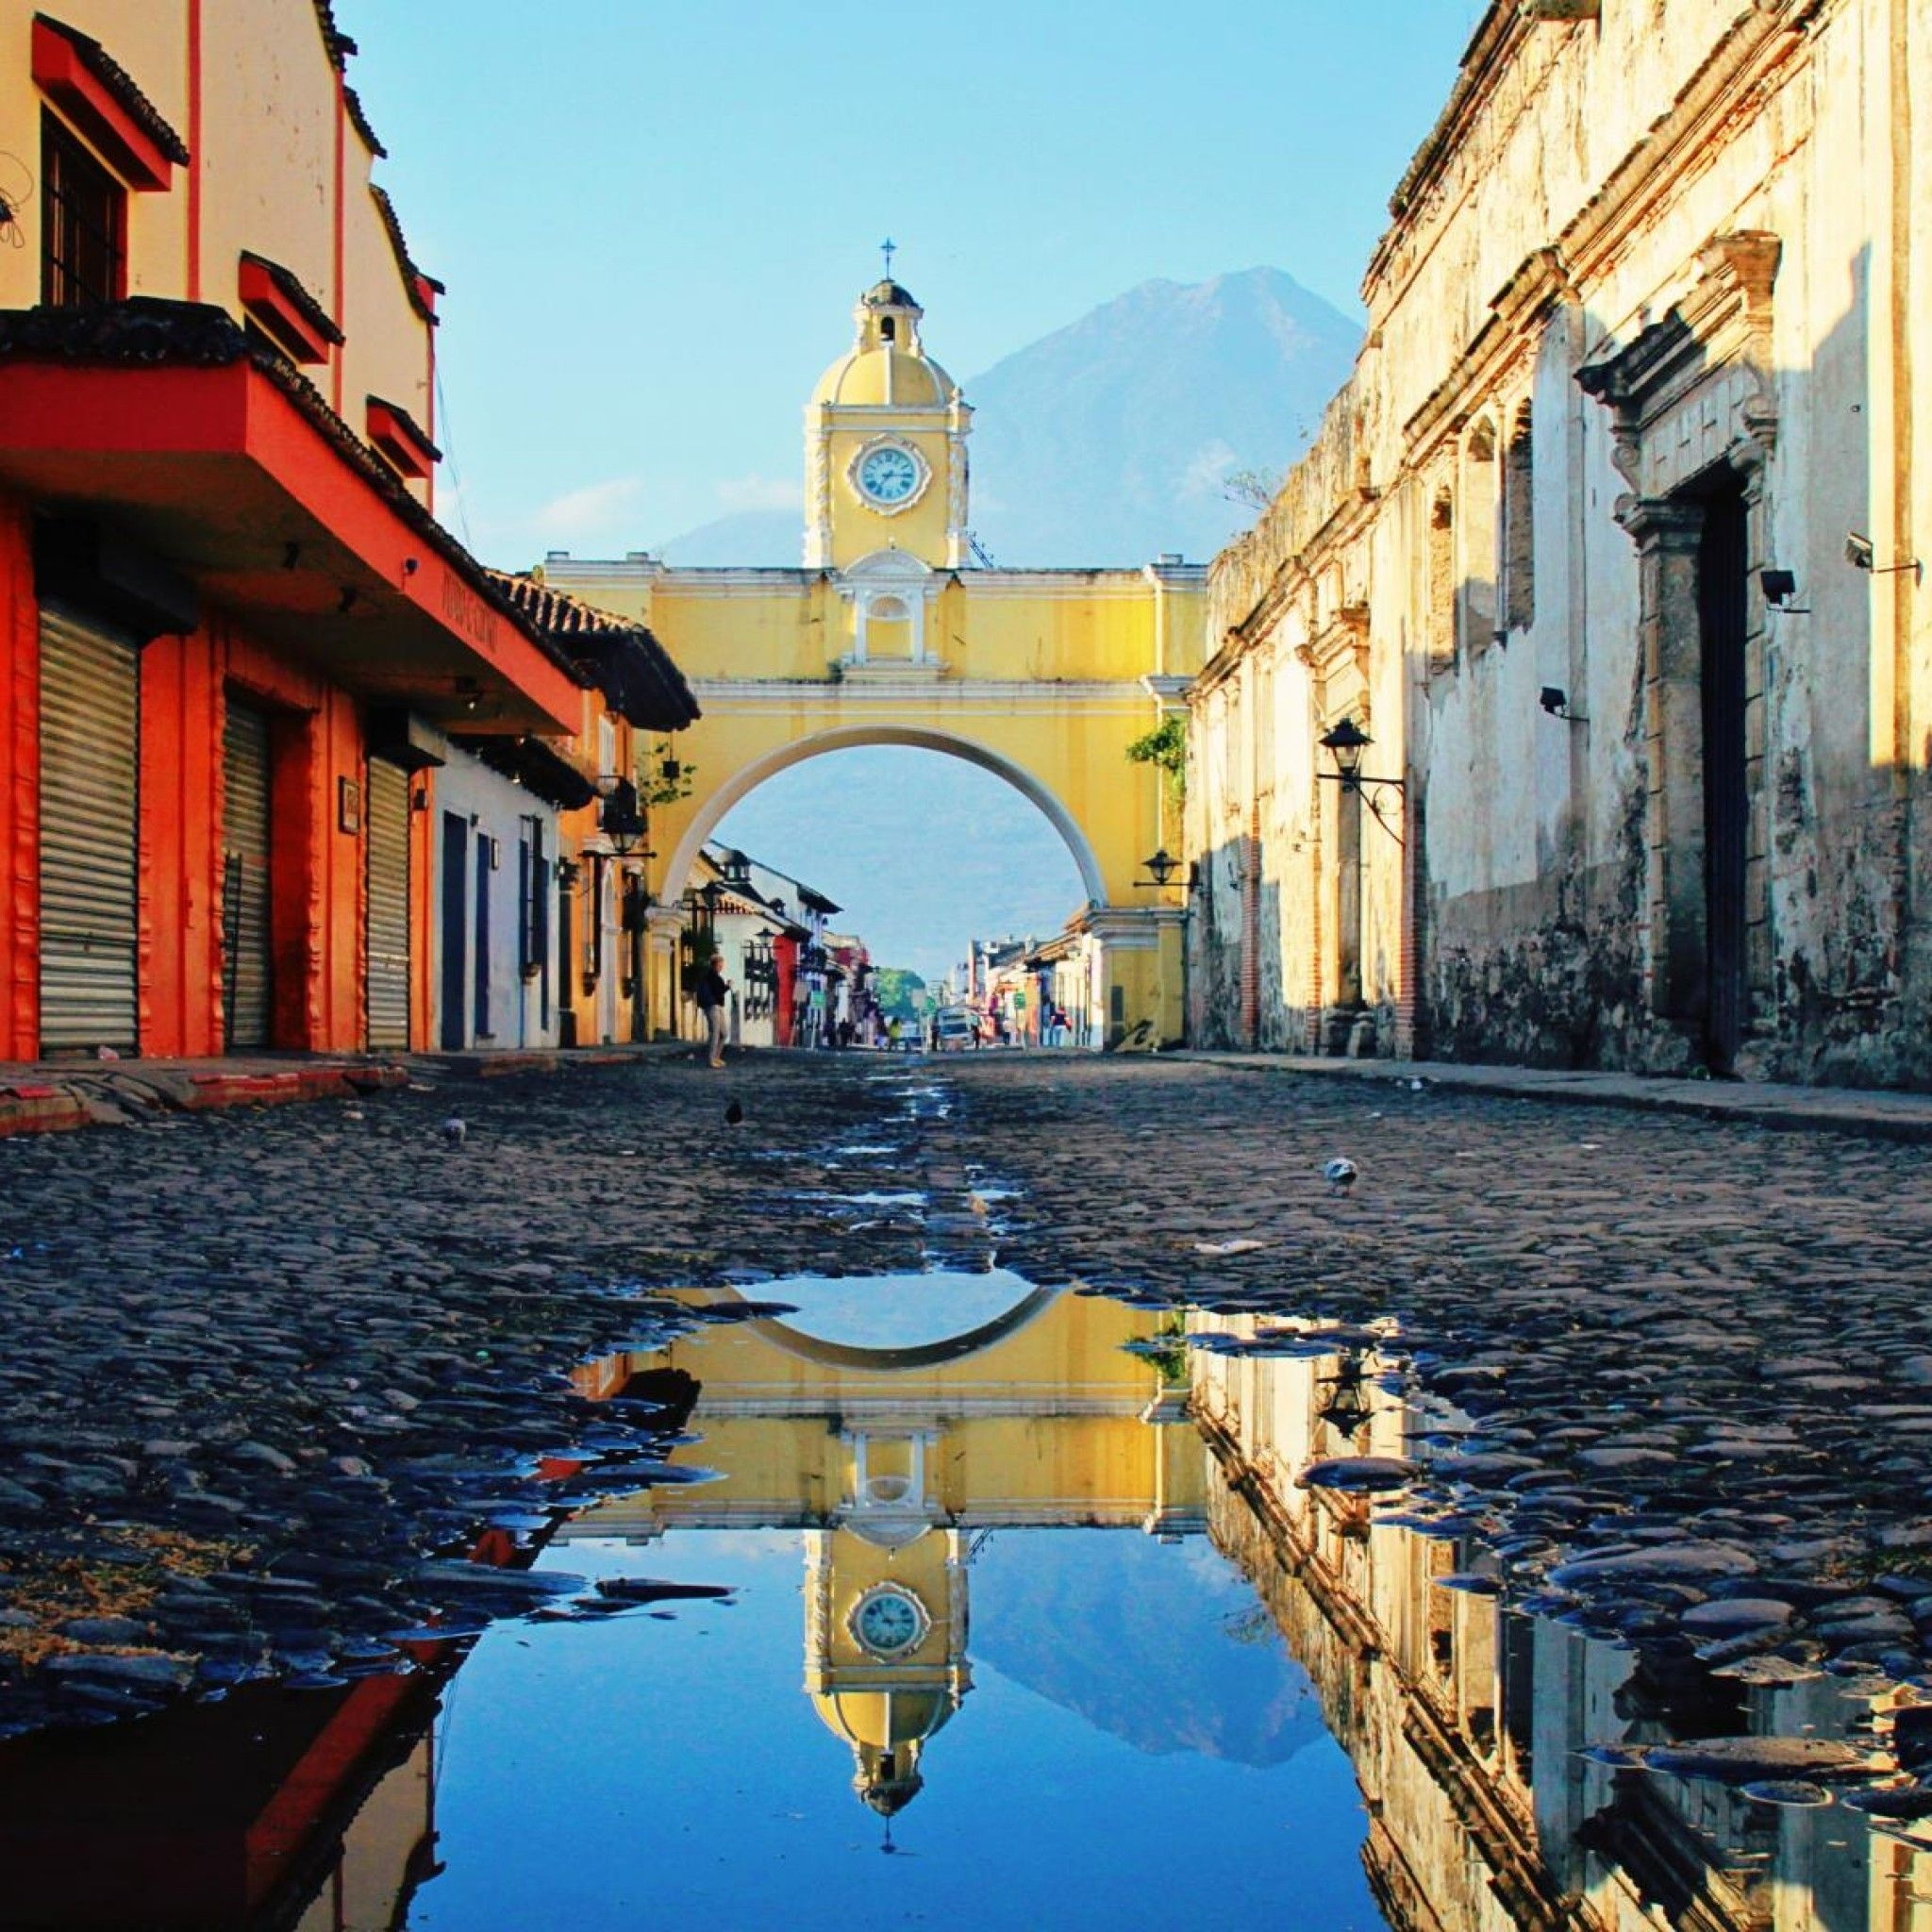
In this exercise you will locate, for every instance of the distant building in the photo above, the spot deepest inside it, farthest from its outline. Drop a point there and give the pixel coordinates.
(794, 981)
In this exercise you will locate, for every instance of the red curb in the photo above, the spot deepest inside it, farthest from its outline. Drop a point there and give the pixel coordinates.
(42, 1107)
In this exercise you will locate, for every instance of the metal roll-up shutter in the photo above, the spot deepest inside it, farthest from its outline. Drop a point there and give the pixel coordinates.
(389, 904)
(246, 954)
(90, 761)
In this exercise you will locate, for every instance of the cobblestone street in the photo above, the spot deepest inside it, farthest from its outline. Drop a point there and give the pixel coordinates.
(262, 1366)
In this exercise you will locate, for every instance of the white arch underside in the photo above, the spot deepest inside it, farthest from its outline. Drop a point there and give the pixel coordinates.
(852, 737)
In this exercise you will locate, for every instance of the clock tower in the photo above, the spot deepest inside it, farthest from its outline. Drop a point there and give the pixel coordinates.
(885, 448)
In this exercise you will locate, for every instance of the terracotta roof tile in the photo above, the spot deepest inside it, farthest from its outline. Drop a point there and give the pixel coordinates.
(619, 656)
(411, 274)
(339, 44)
(360, 118)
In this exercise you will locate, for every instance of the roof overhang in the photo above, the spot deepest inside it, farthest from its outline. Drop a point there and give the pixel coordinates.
(276, 301)
(76, 74)
(220, 471)
(401, 438)
(539, 767)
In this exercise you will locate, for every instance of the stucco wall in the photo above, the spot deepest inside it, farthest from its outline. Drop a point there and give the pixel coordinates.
(498, 809)
(290, 183)
(1704, 210)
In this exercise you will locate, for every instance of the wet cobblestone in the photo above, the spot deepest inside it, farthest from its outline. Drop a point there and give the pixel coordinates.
(263, 1369)
(1675, 1361)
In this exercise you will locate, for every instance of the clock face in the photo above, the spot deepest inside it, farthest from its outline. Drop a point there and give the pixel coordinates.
(889, 475)
(890, 1622)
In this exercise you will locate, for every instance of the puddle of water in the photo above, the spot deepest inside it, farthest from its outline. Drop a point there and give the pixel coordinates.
(1026, 1621)
(888, 1314)
(1112, 1683)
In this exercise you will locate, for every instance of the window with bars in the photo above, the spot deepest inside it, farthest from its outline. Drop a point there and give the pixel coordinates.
(83, 224)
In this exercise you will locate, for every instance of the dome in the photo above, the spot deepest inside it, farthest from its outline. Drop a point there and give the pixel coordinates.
(861, 376)
(886, 366)
(888, 1731)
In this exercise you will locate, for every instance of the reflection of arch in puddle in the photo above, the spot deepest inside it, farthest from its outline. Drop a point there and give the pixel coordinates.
(860, 1322)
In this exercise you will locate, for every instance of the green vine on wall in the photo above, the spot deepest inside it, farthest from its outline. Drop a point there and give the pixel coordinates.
(664, 779)
(1166, 746)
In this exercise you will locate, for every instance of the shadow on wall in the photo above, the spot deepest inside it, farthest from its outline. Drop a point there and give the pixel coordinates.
(1723, 865)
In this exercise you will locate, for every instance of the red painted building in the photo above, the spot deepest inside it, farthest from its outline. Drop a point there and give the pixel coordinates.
(229, 620)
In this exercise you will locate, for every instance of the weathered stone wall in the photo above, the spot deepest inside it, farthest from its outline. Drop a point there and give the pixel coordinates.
(1645, 268)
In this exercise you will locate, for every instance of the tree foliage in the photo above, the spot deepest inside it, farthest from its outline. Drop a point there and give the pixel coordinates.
(898, 991)
(1251, 489)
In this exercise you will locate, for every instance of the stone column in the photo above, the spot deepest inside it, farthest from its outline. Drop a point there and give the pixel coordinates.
(662, 926)
(1667, 531)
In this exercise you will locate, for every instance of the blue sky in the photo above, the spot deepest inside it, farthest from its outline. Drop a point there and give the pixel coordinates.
(654, 218)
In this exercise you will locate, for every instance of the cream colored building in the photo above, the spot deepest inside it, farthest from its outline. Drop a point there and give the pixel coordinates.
(1610, 546)
(893, 632)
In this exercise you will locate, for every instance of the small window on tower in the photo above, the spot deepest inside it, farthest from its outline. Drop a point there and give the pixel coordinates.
(889, 325)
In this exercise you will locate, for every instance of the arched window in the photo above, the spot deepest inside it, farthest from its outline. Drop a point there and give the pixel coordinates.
(1481, 505)
(1442, 583)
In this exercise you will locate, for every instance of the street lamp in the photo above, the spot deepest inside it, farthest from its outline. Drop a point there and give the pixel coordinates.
(1163, 865)
(622, 820)
(1345, 743)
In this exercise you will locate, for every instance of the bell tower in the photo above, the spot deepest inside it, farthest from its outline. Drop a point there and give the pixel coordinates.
(885, 446)
(886, 1627)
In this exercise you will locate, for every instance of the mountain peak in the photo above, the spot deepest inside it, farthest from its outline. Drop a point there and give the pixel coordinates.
(1108, 440)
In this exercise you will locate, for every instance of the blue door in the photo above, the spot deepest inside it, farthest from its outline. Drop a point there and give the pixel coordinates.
(456, 930)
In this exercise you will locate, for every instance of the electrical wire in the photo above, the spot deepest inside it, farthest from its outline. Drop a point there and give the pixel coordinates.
(449, 457)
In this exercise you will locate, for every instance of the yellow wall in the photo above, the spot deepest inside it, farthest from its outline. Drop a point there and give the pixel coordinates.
(859, 531)
(1039, 678)
(1041, 1426)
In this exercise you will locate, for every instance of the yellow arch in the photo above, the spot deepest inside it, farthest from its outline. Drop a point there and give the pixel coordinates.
(749, 776)
(925, 1354)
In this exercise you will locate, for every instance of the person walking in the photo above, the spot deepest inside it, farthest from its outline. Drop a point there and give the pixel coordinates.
(713, 995)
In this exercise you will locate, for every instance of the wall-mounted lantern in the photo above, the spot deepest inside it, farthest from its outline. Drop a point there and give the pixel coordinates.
(1163, 865)
(621, 819)
(1345, 743)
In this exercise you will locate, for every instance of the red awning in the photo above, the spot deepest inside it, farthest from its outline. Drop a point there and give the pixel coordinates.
(238, 474)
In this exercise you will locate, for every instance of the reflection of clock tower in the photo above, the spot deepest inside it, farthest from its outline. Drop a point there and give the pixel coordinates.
(885, 1642)
(885, 478)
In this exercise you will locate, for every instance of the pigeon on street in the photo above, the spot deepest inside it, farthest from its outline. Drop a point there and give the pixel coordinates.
(454, 1131)
(1340, 1173)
